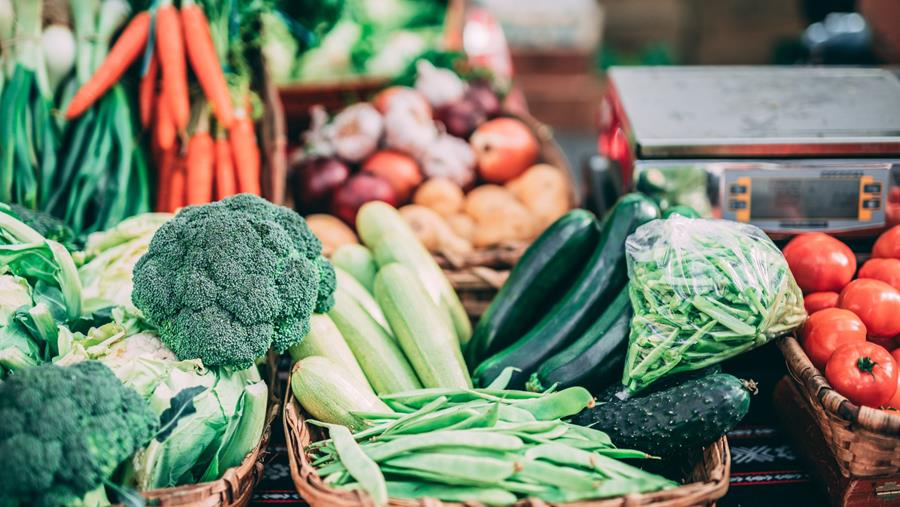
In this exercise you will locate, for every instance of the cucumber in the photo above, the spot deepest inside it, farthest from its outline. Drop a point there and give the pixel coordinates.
(426, 339)
(324, 339)
(545, 270)
(594, 359)
(384, 231)
(357, 261)
(328, 394)
(684, 417)
(362, 296)
(597, 285)
(378, 355)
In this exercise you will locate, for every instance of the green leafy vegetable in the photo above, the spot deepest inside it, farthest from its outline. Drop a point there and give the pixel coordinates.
(703, 291)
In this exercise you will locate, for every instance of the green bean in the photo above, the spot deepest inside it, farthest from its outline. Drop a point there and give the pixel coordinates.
(464, 438)
(487, 496)
(513, 414)
(590, 434)
(455, 465)
(551, 475)
(503, 379)
(360, 466)
(560, 404)
(429, 408)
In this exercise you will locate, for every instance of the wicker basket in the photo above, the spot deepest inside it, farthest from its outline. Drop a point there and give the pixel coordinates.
(865, 441)
(236, 486)
(706, 482)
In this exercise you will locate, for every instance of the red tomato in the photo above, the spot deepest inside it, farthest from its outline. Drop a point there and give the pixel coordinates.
(876, 303)
(888, 244)
(886, 270)
(863, 372)
(820, 301)
(819, 262)
(894, 402)
(827, 330)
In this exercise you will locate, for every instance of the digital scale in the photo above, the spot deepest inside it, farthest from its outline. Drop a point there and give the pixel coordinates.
(789, 149)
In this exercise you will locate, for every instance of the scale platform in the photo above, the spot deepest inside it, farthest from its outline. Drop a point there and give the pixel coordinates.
(760, 112)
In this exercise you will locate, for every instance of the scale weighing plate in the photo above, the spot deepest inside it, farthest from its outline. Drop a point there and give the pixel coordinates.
(721, 112)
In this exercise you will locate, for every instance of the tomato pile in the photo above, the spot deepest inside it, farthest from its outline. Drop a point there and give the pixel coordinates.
(853, 332)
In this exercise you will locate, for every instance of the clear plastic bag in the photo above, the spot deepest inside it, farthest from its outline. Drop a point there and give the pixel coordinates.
(703, 291)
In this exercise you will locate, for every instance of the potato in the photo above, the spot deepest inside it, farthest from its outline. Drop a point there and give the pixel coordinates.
(331, 231)
(512, 222)
(543, 189)
(433, 231)
(441, 195)
(462, 225)
(485, 199)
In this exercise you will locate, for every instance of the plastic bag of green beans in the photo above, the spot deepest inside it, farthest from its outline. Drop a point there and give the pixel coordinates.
(703, 291)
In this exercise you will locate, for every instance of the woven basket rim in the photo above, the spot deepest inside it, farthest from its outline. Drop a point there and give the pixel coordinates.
(236, 485)
(309, 484)
(834, 403)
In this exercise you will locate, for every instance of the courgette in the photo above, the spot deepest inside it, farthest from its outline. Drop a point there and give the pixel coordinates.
(685, 417)
(378, 355)
(328, 394)
(594, 359)
(324, 339)
(426, 339)
(384, 231)
(546, 270)
(357, 261)
(362, 296)
(598, 284)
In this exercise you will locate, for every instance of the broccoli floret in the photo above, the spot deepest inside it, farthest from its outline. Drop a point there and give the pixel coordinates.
(224, 282)
(46, 225)
(65, 430)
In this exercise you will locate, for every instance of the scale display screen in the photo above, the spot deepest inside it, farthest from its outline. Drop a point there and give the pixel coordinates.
(805, 198)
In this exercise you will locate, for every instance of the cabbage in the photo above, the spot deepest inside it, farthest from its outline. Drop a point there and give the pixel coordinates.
(17, 348)
(221, 412)
(109, 257)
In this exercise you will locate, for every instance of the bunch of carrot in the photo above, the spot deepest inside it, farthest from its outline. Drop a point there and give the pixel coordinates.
(203, 151)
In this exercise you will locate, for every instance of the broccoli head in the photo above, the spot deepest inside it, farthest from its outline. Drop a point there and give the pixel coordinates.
(65, 430)
(226, 281)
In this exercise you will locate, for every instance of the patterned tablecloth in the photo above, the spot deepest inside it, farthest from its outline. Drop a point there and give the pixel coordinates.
(765, 470)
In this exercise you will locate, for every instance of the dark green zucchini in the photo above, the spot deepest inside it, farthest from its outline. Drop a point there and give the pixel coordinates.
(687, 416)
(594, 359)
(685, 211)
(599, 283)
(545, 270)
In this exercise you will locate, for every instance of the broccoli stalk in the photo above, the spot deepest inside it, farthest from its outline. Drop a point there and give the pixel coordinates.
(227, 281)
(65, 431)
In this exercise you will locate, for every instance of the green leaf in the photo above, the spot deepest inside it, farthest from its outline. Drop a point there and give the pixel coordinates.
(182, 405)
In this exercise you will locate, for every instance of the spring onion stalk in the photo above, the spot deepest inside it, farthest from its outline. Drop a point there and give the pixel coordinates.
(7, 25)
(84, 16)
(113, 14)
(58, 44)
(28, 36)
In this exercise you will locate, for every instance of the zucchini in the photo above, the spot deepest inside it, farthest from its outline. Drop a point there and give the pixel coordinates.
(383, 230)
(427, 340)
(685, 417)
(362, 296)
(685, 211)
(357, 261)
(328, 394)
(545, 270)
(598, 284)
(324, 339)
(594, 359)
(379, 357)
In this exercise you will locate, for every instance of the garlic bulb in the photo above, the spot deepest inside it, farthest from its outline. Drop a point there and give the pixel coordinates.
(449, 157)
(440, 86)
(355, 132)
(409, 130)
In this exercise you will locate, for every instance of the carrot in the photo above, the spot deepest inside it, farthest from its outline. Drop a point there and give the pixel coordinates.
(201, 155)
(245, 152)
(126, 49)
(147, 91)
(165, 127)
(176, 184)
(170, 48)
(225, 184)
(166, 165)
(205, 61)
